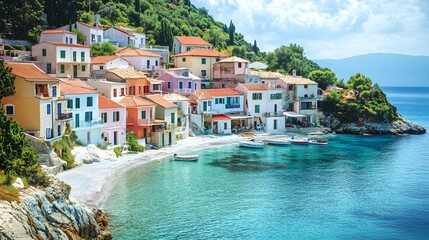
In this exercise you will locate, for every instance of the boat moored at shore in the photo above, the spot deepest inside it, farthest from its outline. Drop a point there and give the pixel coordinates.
(186, 158)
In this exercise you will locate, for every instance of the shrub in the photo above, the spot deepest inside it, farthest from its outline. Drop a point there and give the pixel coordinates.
(20, 47)
(118, 151)
(63, 149)
(132, 142)
(8, 47)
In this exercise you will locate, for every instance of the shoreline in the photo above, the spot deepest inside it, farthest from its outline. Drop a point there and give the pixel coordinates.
(92, 184)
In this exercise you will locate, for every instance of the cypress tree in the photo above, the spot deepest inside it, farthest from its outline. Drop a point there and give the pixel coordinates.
(231, 33)
(137, 5)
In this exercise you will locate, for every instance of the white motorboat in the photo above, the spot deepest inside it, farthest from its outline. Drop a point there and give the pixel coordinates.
(251, 144)
(299, 141)
(318, 141)
(277, 142)
(188, 158)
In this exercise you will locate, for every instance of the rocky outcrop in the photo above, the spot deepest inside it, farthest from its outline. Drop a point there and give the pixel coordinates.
(401, 126)
(91, 153)
(49, 160)
(49, 214)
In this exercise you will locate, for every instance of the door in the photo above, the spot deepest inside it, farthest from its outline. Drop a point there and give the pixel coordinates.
(59, 110)
(59, 130)
(169, 138)
(115, 138)
(275, 108)
(48, 68)
(275, 124)
(163, 140)
(75, 71)
(204, 106)
(76, 120)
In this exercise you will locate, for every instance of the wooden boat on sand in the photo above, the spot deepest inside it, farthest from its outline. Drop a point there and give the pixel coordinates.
(188, 158)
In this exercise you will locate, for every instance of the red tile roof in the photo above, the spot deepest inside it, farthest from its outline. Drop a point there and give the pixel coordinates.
(135, 101)
(210, 93)
(201, 52)
(254, 86)
(158, 99)
(64, 44)
(103, 59)
(185, 40)
(29, 71)
(87, 25)
(219, 117)
(76, 87)
(57, 31)
(129, 52)
(105, 103)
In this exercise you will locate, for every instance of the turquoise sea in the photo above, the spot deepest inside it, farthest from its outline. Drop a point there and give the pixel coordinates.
(357, 187)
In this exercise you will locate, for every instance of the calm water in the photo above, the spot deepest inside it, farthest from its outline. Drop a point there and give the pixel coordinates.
(354, 188)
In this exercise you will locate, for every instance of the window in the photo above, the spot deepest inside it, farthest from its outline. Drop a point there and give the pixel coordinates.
(89, 101)
(88, 116)
(180, 85)
(195, 86)
(275, 96)
(217, 59)
(257, 110)
(143, 114)
(122, 91)
(156, 63)
(63, 54)
(10, 109)
(148, 64)
(104, 117)
(48, 68)
(83, 68)
(115, 92)
(290, 87)
(77, 102)
(67, 39)
(99, 38)
(225, 126)
(44, 52)
(70, 103)
(168, 85)
(116, 116)
(82, 56)
(203, 60)
(188, 49)
(183, 59)
(305, 86)
(62, 68)
(219, 100)
(101, 67)
(48, 109)
(203, 73)
(189, 85)
(239, 65)
(173, 118)
(71, 40)
(275, 124)
(54, 91)
(74, 56)
(76, 120)
(257, 96)
(92, 38)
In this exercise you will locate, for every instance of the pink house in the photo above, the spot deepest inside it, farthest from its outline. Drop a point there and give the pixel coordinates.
(113, 117)
(180, 80)
(227, 73)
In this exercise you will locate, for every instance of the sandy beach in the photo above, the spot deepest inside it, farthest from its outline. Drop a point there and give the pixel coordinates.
(92, 183)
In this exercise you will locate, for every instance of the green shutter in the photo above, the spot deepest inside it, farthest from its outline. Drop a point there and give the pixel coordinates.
(172, 117)
(62, 68)
(143, 114)
(216, 100)
(257, 109)
(77, 103)
(62, 54)
(82, 56)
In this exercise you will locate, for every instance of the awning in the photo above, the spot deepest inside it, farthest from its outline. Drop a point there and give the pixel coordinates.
(239, 117)
(220, 117)
(293, 114)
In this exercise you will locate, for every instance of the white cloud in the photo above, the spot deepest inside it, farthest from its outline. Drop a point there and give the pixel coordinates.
(330, 28)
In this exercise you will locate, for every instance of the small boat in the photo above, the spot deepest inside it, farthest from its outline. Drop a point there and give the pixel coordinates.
(251, 144)
(277, 142)
(318, 141)
(299, 141)
(188, 158)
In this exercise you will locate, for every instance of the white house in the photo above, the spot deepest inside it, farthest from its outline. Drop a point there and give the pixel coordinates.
(94, 34)
(183, 110)
(114, 91)
(58, 36)
(100, 64)
(114, 119)
(265, 103)
(83, 100)
(125, 37)
(63, 60)
(140, 59)
(184, 44)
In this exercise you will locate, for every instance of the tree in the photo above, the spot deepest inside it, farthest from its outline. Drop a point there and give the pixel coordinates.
(231, 31)
(81, 38)
(103, 49)
(165, 36)
(7, 87)
(187, 2)
(137, 5)
(216, 37)
(255, 47)
(324, 78)
(359, 83)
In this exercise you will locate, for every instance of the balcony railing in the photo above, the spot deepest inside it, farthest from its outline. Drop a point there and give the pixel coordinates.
(232, 105)
(273, 114)
(183, 90)
(307, 97)
(91, 123)
(64, 116)
(146, 122)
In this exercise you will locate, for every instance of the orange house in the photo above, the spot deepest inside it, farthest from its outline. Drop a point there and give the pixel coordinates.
(140, 116)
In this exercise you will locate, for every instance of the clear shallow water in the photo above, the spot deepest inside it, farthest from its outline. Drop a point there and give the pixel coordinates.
(355, 187)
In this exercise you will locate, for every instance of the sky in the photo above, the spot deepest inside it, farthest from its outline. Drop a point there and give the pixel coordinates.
(329, 29)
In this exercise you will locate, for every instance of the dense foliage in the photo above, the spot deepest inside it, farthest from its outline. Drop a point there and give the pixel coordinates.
(323, 77)
(103, 49)
(64, 146)
(361, 103)
(132, 142)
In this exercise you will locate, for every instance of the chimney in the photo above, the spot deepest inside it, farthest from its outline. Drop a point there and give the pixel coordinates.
(294, 72)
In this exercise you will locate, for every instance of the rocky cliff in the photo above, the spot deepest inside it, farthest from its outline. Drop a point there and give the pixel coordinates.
(50, 214)
(401, 126)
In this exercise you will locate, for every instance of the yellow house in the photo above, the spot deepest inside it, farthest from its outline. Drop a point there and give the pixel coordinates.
(199, 61)
(37, 105)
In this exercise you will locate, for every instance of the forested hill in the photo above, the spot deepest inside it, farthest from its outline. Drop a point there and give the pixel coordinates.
(159, 19)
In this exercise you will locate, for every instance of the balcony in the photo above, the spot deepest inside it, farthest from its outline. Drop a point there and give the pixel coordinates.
(146, 122)
(313, 97)
(232, 105)
(64, 116)
(91, 123)
(273, 114)
(183, 90)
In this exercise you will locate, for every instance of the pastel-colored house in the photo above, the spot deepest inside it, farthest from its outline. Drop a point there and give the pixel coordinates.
(200, 62)
(140, 116)
(166, 114)
(114, 119)
(63, 60)
(94, 34)
(114, 91)
(183, 110)
(58, 36)
(265, 103)
(180, 80)
(100, 64)
(83, 100)
(37, 104)
(228, 72)
(141, 60)
(186, 43)
(125, 37)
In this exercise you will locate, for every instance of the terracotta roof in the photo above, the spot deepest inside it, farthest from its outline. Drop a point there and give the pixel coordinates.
(103, 59)
(297, 80)
(158, 99)
(29, 71)
(87, 25)
(175, 97)
(265, 74)
(135, 101)
(76, 87)
(129, 52)
(64, 44)
(57, 31)
(126, 73)
(138, 81)
(201, 52)
(233, 59)
(185, 40)
(123, 30)
(105, 103)
(254, 86)
(219, 117)
(210, 93)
